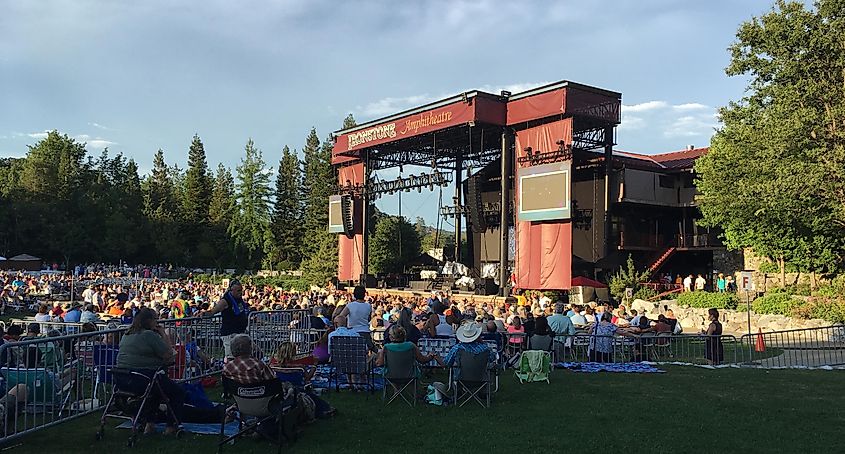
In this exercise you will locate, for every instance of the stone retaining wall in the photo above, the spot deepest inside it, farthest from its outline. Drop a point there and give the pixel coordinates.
(733, 322)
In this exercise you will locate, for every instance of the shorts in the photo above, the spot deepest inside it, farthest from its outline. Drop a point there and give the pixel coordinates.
(227, 344)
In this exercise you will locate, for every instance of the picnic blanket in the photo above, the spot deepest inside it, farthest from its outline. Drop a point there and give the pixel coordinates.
(631, 368)
(196, 428)
(323, 379)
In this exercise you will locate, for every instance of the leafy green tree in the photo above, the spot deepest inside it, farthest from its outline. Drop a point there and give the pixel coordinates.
(774, 178)
(395, 243)
(251, 216)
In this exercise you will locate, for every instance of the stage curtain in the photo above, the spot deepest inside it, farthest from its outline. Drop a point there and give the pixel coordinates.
(543, 249)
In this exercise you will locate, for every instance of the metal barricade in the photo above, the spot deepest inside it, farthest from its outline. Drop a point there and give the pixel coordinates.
(661, 348)
(810, 347)
(198, 347)
(269, 329)
(49, 380)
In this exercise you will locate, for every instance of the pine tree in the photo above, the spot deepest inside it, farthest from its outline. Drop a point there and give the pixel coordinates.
(195, 202)
(197, 185)
(251, 216)
(286, 224)
(160, 208)
(220, 214)
(315, 211)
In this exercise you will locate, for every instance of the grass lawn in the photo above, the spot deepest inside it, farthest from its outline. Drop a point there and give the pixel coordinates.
(684, 410)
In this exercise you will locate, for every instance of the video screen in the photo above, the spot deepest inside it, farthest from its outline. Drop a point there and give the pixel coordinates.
(544, 193)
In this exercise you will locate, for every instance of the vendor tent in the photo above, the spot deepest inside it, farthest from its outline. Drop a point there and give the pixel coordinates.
(24, 262)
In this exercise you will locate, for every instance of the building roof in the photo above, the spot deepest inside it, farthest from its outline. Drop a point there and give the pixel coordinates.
(24, 258)
(676, 160)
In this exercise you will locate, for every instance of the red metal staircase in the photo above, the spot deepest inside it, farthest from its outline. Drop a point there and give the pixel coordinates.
(656, 264)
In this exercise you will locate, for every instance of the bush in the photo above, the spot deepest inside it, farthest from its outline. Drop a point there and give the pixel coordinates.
(706, 300)
(830, 309)
(835, 288)
(775, 303)
(645, 293)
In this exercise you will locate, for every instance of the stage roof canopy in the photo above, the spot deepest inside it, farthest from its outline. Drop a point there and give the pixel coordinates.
(465, 129)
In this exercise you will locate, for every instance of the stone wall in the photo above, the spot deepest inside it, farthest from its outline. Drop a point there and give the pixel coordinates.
(734, 322)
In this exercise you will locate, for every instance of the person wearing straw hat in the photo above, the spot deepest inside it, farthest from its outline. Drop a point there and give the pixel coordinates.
(469, 339)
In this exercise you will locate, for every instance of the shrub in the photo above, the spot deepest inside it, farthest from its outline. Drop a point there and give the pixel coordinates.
(627, 277)
(775, 303)
(645, 293)
(834, 288)
(830, 309)
(706, 300)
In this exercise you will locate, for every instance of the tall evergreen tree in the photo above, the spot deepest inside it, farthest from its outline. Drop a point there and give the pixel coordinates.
(195, 202)
(315, 211)
(286, 225)
(197, 185)
(320, 251)
(160, 207)
(251, 216)
(220, 215)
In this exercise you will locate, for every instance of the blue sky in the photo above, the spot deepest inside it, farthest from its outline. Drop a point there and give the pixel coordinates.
(139, 76)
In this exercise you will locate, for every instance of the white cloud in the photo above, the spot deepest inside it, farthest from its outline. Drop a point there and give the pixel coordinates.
(99, 126)
(513, 88)
(631, 123)
(389, 105)
(392, 105)
(82, 137)
(645, 106)
(691, 126)
(99, 144)
(690, 106)
(38, 135)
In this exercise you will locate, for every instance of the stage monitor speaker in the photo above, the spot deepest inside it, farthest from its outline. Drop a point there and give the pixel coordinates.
(348, 213)
(486, 286)
(474, 205)
(368, 280)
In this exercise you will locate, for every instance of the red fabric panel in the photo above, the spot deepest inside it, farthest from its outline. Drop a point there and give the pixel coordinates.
(491, 111)
(543, 249)
(350, 250)
(537, 106)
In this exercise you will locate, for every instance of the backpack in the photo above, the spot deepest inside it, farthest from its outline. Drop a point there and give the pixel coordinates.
(307, 407)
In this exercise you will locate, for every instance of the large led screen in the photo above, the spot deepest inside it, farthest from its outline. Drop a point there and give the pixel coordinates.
(335, 215)
(544, 192)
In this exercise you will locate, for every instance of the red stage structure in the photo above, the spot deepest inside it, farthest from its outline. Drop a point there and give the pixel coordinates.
(534, 140)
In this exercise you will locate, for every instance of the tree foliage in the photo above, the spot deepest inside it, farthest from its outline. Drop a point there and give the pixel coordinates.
(774, 178)
(394, 243)
(286, 223)
(251, 215)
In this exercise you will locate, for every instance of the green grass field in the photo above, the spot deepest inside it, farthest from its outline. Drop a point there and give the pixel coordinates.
(684, 410)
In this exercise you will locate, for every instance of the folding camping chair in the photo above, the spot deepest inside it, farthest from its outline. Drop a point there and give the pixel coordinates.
(105, 357)
(349, 356)
(130, 396)
(534, 365)
(435, 346)
(470, 376)
(400, 373)
(254, 410)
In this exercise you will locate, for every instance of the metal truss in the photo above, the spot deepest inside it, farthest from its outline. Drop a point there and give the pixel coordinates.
(606, 111)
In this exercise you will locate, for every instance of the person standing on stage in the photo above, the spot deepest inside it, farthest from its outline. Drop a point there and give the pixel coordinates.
(235, 313)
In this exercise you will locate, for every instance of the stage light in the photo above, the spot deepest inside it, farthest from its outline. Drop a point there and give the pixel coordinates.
(505, 94)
